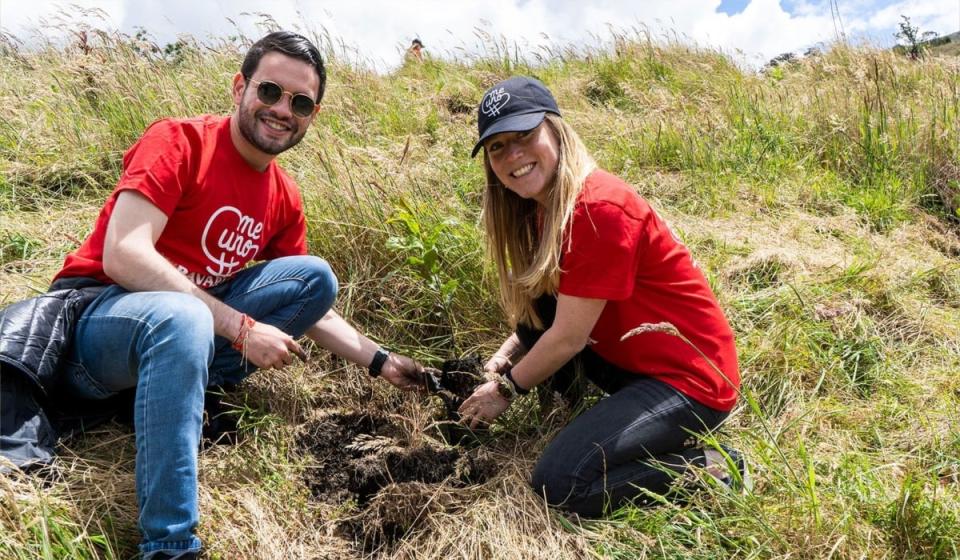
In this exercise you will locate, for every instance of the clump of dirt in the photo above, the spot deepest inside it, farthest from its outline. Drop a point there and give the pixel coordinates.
(455, 382)
(360, 454)
(462, 376)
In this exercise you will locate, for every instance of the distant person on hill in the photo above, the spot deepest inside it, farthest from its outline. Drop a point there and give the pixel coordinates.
(200, 199)
(583, 260)
(415, 52)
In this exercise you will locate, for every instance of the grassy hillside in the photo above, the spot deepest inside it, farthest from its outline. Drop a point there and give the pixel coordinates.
(944, 45)
(820, 198)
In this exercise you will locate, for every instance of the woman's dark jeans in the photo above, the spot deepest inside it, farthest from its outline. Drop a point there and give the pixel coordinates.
(632, 441)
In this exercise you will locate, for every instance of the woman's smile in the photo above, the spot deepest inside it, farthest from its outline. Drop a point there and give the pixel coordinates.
(523, 170)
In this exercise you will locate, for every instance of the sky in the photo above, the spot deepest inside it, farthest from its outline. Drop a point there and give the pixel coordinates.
(376, 32)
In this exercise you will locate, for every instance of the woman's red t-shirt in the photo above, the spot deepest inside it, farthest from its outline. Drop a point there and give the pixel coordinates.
(621, 251)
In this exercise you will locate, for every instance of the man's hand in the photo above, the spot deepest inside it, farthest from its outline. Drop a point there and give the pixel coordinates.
(402, 372)
(268, 347)
(484, 405)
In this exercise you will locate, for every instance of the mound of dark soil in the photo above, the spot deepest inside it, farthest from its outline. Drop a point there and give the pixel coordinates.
(455, 382)
(461, 377)
(359, 454)
(334, 441)
(394, 511)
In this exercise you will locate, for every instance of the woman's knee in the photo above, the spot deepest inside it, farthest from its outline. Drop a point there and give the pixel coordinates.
(554, 481)
(566, 490)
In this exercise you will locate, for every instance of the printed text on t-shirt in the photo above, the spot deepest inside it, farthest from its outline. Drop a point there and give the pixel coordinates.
(229, 240)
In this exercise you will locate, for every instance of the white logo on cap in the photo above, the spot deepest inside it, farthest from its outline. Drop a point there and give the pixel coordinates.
(494, 101)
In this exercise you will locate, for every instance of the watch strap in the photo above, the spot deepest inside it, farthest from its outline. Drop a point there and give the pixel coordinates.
(376, 365)
(506, 389)
(509, 377)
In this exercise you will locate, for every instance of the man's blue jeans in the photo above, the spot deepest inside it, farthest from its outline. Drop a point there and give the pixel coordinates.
(163, 344)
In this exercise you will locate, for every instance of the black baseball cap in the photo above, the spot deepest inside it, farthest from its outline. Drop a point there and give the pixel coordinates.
(514, 105)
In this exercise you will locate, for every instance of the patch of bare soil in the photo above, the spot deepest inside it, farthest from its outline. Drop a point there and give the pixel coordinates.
(366, 457)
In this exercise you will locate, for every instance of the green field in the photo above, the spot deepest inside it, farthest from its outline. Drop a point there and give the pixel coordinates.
(820, 197)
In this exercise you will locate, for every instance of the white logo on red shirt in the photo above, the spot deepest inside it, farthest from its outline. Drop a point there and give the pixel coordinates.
(229, 240)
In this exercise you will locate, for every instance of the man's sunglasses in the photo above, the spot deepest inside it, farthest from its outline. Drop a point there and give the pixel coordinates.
(269, 93)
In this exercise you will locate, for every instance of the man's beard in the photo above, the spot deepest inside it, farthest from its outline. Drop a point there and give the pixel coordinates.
(248, 128)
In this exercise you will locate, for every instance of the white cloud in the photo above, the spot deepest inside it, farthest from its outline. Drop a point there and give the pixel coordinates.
(379, 29)
(933, 15)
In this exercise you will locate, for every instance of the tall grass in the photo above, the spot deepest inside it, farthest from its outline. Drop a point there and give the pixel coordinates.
(818, 197)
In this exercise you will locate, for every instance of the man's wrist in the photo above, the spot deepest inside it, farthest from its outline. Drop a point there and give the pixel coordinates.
(379, 358)
(240, 341)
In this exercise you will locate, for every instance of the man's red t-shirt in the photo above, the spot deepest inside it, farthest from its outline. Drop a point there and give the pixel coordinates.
(621, 251)
(222, 213)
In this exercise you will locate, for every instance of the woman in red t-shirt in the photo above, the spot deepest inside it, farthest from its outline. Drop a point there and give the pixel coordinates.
(595, 283)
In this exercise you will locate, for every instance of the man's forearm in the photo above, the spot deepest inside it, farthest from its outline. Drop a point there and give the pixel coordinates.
(144, 269)
(336, 335)
(131, 259)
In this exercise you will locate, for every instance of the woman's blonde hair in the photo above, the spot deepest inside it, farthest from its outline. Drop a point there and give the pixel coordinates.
(525, 242)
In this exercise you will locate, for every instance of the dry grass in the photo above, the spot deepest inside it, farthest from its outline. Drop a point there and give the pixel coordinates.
(818, 199)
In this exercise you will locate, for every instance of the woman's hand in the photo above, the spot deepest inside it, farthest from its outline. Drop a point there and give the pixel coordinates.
(402, 372)
(498, 364)
(484, 405)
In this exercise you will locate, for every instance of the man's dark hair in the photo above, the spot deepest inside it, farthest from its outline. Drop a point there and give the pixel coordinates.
(290, 44)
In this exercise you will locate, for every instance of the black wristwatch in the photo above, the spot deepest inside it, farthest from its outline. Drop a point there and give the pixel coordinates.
(509, 377)
(376, 366)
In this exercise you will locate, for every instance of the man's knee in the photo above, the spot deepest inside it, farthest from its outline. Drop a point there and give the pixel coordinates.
(321, 281)
(323, 275)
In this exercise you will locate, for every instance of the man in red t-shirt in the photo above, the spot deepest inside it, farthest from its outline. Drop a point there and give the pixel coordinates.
(200, 199)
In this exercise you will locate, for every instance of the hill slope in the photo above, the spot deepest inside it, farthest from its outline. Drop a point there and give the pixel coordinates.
(820, 200)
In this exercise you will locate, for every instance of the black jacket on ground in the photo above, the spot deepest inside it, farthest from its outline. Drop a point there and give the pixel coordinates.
(35, 335)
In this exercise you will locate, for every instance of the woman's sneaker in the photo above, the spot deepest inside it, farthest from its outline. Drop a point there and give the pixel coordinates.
(729, 468)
